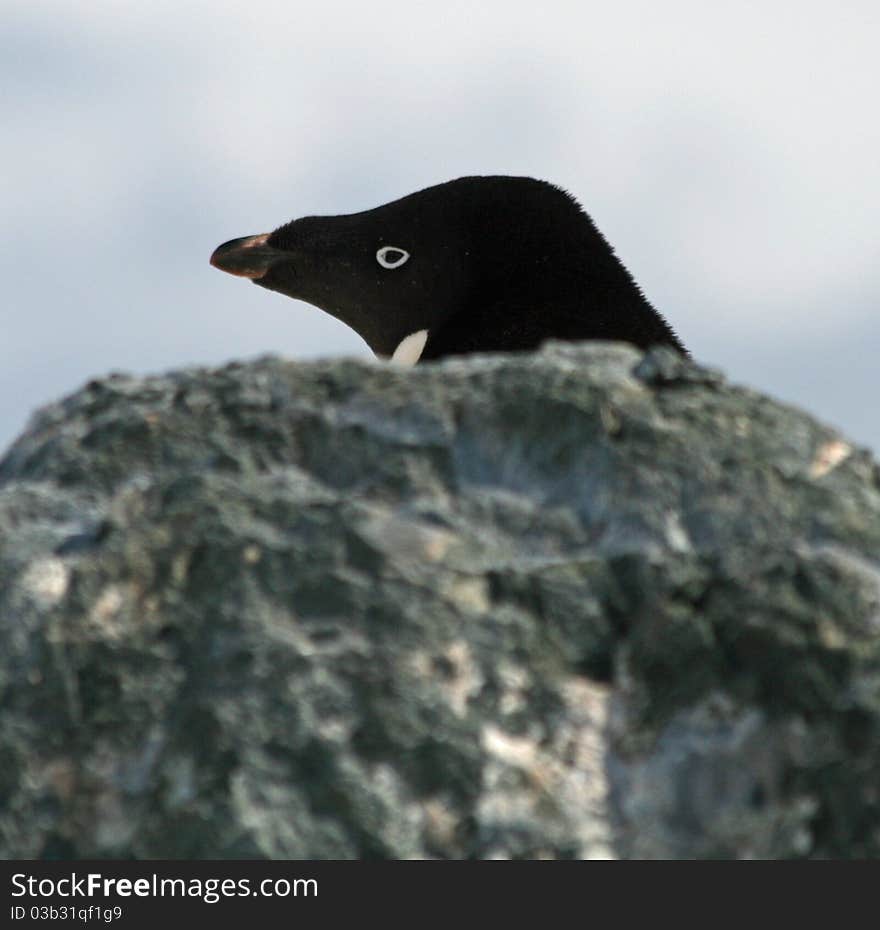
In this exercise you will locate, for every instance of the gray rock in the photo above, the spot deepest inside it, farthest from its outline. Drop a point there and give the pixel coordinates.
(581, 603)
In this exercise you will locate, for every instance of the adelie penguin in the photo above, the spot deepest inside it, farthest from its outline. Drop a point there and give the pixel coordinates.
(480, 264)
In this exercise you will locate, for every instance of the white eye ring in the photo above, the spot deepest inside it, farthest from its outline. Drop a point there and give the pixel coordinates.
(396, 262)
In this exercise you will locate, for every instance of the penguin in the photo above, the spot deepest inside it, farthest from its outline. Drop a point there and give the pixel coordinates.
(477, 264)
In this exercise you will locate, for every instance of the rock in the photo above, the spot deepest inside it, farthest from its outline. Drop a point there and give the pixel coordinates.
(580, 603)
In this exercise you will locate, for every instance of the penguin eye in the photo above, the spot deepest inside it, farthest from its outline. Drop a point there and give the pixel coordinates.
(390, 256)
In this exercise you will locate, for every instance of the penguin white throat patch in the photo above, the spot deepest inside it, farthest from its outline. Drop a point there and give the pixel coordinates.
(410, 349)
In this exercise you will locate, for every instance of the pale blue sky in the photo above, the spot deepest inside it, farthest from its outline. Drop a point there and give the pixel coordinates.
(729, 152)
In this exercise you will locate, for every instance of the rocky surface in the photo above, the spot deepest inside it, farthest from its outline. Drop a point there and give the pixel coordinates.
(582, 603)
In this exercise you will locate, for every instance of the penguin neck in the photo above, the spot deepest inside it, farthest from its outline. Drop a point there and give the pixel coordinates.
(570, 302)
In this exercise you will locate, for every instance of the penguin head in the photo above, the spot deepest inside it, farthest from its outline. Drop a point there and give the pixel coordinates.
(388, 273)
(475, 264)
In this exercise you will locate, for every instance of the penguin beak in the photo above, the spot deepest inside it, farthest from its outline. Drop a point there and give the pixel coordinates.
(248, 257)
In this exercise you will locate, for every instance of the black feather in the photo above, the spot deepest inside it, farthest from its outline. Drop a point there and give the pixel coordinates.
(496, 264)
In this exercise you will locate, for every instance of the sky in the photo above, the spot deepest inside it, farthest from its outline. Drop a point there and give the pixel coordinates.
(729, 152)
